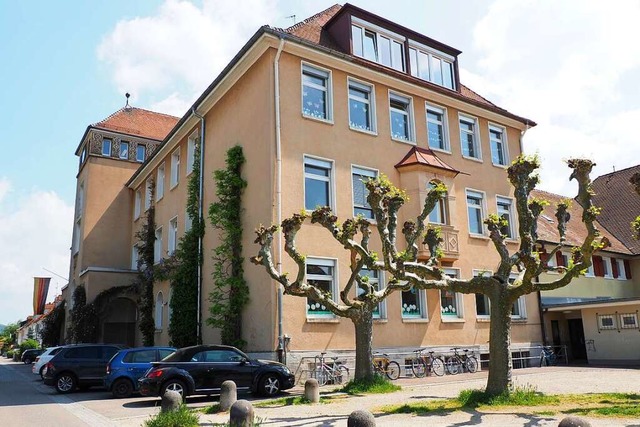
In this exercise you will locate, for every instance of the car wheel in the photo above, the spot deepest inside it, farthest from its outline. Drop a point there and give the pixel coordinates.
(121, 388)
(65, 383)
(28, 361)
(175, 385)
(269, 385)
(42, 371)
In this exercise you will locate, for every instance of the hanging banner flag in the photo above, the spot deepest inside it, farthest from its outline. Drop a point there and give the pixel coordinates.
(40, 291)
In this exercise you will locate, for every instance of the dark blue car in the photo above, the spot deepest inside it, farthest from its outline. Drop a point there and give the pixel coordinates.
(129, 365)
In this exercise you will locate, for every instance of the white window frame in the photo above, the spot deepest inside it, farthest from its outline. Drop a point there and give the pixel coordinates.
(590, 271)
(147, 195)
(422, 299)
(379, 33)
(633, 316)
(128, 145)
(323, 73)
(380, 282)
(441, 206)
(107, 152)
(173, 235)
(476, 136)
(191, 151)
(602, 326)
(157, 246)
(408, 101)
(175, 168)
(442, 111)
(431, 55)
(520, 303)
(159, 311)
(160, 176)
(366, 172)
(322, 163)
(144, 153)
(503, 200)
(505, 146)
(135, 256)
(458, 297)
(371, 102)
(606, 265)
(622, 274)
(483, 273)
(483, 198)
(327, 262)
(137, 204)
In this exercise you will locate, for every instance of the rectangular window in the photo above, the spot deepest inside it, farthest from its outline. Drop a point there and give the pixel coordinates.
(629, 321)
(606, 321)
(160, 182)
(475, 211)
(436, 128)
(361, 106)
(451, 303)
(498, 142)
(374, 279)
(173, 236)
(106, 147)
(505, 211)
(433, 66)
(157, 246)
(80, 200)
(483, 307)
(321, 273)
(439, 213)
(191, 153)
(378, 45)
(136, 205)
(135, 256)
(606, 267)
(400, 111)
(147, 195)
(124, 150)
(621, 273)
(360, 193)
(83, 155)
(414, 303)
(590, 272)
(469, 138)
(141, 153)
(519, 308)
(317, 183)
(316, 92)
(77, 230)
(175, 168)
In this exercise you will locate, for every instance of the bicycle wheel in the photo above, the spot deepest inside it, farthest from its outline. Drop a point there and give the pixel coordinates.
(452, 365)
(341, 375)
(437, 366)
(471, 364)
(322, 376)
(418, 368)
(393, 370)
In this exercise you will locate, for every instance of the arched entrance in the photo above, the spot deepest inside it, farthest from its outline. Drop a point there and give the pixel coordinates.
(119, 322)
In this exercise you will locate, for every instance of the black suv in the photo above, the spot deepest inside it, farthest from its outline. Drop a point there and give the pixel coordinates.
(30, 355)
(79, 366)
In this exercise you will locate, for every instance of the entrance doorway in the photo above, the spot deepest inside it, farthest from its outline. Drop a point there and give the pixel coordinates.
(119, 326)
(576, 337)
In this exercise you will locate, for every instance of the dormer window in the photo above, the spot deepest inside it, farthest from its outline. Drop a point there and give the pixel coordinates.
(377, 44)
(431, 65)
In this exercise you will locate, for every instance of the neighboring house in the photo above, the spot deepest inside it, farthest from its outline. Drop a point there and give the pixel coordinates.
(32, 327)
(318, 107)
(596, 315)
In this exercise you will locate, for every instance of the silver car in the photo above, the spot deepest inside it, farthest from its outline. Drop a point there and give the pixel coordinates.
(40, 364)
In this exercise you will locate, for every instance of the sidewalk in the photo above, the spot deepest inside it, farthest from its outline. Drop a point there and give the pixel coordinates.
(549, 380)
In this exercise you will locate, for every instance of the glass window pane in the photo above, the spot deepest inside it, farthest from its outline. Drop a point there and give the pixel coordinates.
(385, 51)
(316, 193)
(356, 39)
(370, 46)
(314, 102)
(423, 64)
(316, 170)
(359, 109)
(411, 303)
(413, 57)
(482, 305)
(436, 70)
(448, 305)
(124, 150)
(398, 56)
(447, 74)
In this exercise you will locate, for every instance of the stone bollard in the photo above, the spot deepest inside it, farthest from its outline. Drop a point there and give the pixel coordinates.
(171, 401)
(228, 395)
(574, 422)
(361, 418)
(241, 414)
(312, 390)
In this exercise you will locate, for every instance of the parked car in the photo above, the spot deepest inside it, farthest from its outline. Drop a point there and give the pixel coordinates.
(79, 366)
(30, 355)
(202, 369)
(129, 365)
(40, 364)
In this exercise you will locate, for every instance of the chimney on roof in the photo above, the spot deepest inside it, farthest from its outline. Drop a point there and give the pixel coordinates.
(127, 106)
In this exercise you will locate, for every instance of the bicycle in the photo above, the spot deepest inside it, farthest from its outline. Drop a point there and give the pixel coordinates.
(459, 362)
(548, 357)
(422, 364)
(384, 366)
(334, 372)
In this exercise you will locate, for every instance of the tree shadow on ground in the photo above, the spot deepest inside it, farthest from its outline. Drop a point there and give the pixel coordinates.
(316, 421)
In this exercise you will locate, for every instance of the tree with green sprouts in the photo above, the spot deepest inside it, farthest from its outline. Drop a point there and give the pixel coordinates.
(406, 272)
(635, 224)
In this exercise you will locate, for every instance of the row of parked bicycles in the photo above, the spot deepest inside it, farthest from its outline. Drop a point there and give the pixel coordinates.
(428, 363)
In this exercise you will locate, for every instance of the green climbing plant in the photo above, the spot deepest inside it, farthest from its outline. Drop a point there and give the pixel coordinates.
(230, 291)
(52, 326)
(84, 318)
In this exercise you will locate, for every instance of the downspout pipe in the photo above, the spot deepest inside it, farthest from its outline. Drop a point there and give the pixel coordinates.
(200, 220)
(276, 83)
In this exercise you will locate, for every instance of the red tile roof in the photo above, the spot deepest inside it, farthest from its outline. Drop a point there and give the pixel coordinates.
(425, 157)
(576, 232)
(139, 122)
(311, 30)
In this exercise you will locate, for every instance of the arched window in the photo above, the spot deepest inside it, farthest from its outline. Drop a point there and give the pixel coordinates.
(439, 213)
(159, 305)
(169, 311)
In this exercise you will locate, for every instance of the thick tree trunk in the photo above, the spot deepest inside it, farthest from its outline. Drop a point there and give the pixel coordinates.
(364, 332)
(500, 363)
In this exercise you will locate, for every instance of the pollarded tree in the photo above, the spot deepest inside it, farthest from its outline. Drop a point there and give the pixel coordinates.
(407, 272)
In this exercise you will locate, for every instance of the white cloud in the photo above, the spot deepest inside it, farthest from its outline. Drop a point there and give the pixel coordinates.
(180, 49)
(35, 229)
(567, 66)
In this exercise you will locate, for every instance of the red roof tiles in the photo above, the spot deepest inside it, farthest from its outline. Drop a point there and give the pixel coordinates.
(425, 157)
(136, 121)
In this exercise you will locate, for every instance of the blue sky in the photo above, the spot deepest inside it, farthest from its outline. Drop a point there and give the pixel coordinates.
(572, 66)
